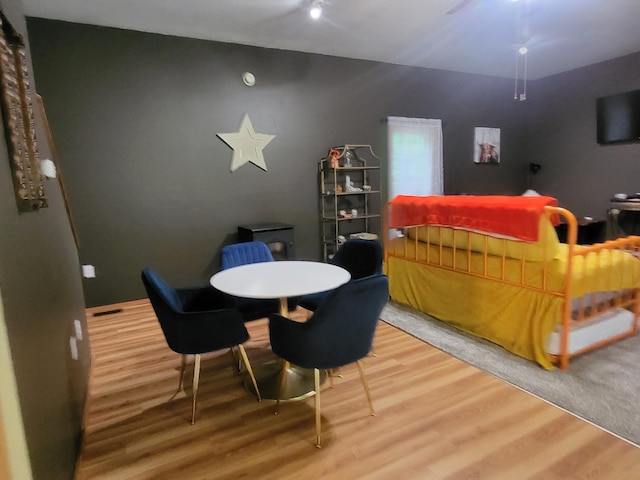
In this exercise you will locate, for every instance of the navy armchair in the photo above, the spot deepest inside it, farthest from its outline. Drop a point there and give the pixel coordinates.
(252, 252)
(360, 257)
(195, 321)
(339, 332)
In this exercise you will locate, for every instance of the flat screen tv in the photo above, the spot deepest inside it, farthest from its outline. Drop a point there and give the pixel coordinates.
(618, 118)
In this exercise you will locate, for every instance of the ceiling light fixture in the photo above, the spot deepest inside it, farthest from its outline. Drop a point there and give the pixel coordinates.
(315, 11)
(521, 52)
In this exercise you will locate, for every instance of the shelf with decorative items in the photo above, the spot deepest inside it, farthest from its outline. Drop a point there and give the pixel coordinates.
(349, 196)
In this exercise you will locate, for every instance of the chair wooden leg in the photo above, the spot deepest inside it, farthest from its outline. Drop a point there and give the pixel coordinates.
(283, 381)
(316, 378)
(245, 359)
(196, 380)
(366, 387)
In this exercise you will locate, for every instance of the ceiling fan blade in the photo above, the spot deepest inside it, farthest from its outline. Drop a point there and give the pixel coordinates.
(460, 6)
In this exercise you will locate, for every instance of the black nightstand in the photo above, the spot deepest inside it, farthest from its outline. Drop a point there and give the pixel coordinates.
(589, 231)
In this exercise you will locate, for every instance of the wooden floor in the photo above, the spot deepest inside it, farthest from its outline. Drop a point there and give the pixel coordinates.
(438, 418)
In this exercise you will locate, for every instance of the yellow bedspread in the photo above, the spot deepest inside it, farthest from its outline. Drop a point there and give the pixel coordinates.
(518, 315)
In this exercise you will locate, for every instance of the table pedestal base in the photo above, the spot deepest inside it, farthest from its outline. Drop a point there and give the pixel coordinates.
(299, 382)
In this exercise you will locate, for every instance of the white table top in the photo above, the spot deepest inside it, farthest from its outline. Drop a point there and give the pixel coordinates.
(279, 279)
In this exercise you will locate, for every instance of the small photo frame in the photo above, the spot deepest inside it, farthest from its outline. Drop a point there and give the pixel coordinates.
(486, 145)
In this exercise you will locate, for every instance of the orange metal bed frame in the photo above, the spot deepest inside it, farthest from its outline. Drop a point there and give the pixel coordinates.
(572, 317)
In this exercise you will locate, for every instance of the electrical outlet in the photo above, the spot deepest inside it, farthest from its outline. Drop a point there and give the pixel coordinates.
(78, 327)
(88, 271)
(73, 346)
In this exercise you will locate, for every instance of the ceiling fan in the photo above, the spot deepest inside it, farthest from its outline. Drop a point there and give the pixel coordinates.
(460, 6)
(463, 4)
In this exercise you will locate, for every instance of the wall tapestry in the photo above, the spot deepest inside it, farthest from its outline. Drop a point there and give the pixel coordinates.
(19, 124)
(486, 145)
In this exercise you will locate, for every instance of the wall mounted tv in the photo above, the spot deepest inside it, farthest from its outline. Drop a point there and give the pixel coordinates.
(618, 118)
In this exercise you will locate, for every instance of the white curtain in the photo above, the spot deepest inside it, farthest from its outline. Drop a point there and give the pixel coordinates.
(415, 156)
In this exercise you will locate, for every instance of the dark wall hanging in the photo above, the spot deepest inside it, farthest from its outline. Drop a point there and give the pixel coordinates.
(19, 124)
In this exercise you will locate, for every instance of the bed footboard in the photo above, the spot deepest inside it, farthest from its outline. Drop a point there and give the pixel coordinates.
(596, 318)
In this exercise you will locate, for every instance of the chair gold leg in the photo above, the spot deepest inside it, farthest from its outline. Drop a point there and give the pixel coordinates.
(237, 361)
(183, 367)
(196, 380)
(373, 349)
(283, 381)
(245, 359)
(316, 378)
(334, 372)
(366, 387)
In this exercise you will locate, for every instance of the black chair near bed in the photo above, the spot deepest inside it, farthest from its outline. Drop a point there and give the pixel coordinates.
(360, 257)
(195, 321)
(339, 332)
(252, 252)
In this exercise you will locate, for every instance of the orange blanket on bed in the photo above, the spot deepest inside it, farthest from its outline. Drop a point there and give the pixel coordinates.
(515, 216)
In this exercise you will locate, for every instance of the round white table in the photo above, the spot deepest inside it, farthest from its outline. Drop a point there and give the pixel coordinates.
(280, 279)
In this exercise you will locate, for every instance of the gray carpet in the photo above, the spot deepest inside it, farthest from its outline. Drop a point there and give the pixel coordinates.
(602, 386)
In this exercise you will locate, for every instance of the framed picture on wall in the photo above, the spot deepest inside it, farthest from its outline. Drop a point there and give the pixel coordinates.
(486, 145)
(18, 119)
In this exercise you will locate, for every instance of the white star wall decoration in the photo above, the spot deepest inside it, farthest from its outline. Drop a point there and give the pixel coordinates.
(247, 145)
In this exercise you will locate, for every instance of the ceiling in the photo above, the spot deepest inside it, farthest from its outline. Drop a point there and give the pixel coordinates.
(481, 37)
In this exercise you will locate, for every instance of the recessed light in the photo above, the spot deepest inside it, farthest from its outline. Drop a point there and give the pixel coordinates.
(315, 12)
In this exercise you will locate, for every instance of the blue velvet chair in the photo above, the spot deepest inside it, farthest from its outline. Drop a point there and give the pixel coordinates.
(360, 257)
(252, 252)
(245, 252)
(339, 332)
(195, 321)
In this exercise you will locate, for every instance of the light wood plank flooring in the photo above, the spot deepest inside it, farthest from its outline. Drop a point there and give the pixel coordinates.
(438, 418)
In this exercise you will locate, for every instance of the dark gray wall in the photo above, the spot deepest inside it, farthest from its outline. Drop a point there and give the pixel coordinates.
(581, 174)
(135, 118)
(42, 295)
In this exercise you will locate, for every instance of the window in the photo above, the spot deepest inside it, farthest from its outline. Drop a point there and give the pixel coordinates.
(415, 156)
